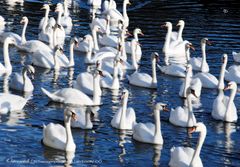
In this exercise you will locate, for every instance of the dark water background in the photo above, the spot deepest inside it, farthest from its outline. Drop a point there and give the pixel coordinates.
(21, 132)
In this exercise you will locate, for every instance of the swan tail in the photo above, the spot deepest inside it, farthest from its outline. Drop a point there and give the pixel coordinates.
(52, 96)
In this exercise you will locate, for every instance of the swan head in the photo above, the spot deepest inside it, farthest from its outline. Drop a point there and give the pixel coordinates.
(191, 91)
(59, 7)
(206, 41)
(127, 2)
(224, 58)
(74, 41)
(167, 25)
(161, 107)
(189, 45)
(69, 112)
(58, 48)
(24, 20)
(138, 31)
(199, 127)
(10, 40)
(46, 7)
(155, 56)
(98, 72)
(97, 28)
(125, 94)
(231, 85)
(88, 38)
(181, 23)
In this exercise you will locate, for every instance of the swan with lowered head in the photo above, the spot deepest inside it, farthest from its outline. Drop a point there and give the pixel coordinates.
(59, 137)
(227, 111)
(7, 67)
(124, 118)
(184, 116)
(195, 84)
(143, 79)
(186, 156)
(75, 96)
(149, 132)
(198, 62)
(21, 82)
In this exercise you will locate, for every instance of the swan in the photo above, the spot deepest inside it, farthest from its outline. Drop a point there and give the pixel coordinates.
(86, 83)
(236, 57)
(128, 44)
(83, 120)
(74, 96)
(7, 67)
(186, 156)
(176, 37)
(195, 84)
(176, 54)
(44, 20)
(95, 3)
(59, 137)
(198, 62)
(233, 74)
(46, 59)
(178, 70)
(11, 102)
(2, 23)
(225, 110)
(107, 5)
(143, 79)
(124, 118)
(60, 32)
(184, 116)
(21, 82)
(148, 132)
(66, 20)
(30, 46)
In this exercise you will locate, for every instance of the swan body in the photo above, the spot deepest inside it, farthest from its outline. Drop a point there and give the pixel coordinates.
(177, 70)
(83, 120)
(59, 137)
(11, 102)
(124, 118)
(233, 74)
(198, 62)
(236, 57)
(143, 79)
(186, 156)
(95, 3)
(21, 82)
(208, 80)
(148, 132)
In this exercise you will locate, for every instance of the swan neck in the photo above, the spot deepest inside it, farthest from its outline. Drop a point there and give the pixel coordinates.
(68, 132)
(230, 103)
(71, 55)
(134, 61)
(115, 83)
(204, 61)
(24, 75)
(124, 53)
(59, 17)
(54, 37)
(157, 122)
(56, 63)
(187, 83)
(154, 75)
(87, 118)
(167, 44)
(108, 27)
(24, 32)
(221, 77)
(125, 10)
(96, 90)
(135, 36)
(6, 57)
(94, 34)
(123, 113)
(180, 31)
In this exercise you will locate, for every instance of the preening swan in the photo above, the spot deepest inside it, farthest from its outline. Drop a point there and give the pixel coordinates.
(7, 67)
(226, 109)
(59, 137)
(21, 82)
(74, 96)
(83, 120)
(236, 56)
(199, 63)
(124, 118)
(143, 79)
(149, 132)
(184, 116)
(186, 156)
(195, 84)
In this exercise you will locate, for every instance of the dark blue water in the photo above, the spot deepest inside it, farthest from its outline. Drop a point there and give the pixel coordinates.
(21, 132)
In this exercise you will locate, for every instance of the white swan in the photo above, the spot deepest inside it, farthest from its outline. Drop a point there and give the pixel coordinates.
(124, 118)
(2, 23)
(7, 67)
(30, 46)
(176, 37)
(66, 20)
(186, 156)
(236, 57)
(74, 96)
(143, 79)
(45, 18)
(184, 116)
(198, 62)
(21, 82)
(178, 70)
(59, 137)
(87, 82)
(83, 120)
(233, 74)
(148, 132)
(95, 3)
(195, 84)
(224, 109)
(60, 32)
(11, 102)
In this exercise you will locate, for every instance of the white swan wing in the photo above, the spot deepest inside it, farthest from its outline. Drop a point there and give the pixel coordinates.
(85, 83)
(140, 79)
(208, 80)
(196, 63)
(144, 132)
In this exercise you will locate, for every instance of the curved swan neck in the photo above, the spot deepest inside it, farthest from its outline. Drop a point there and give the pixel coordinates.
(180, 31)
(94, 34)
(59, 17)
(24, 75)
(125, 16)
(166, 46)
(69, 136)
(221, 77)
(204, 61)
(203, 132)
(45, 21)
(7, 62)
(24, 32)
(123, 113)
(154, 75)
(135, 34)
(230, 103)
(157, 122)
(71, 55)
